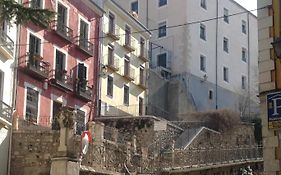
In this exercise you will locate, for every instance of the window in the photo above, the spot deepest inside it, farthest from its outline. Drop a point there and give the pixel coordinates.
(141, 75)
(56, 109)
(142, 46)
(162, 60)
(244, 55)
(60, 65)
(83, 37)
(36, 4)
(111, 26)
(162, 29)
(244, 24)
(31, 110)
(203, 31)
(110, 86)
(202, 63)
(62, 16)
(162, 3)
(211, 93)
(135, 7)
(243, 82)
(141, 107)
(110, 55)
(225, 74)
(127, 66)
(225, 15)
(225, 44)
(82, 76)
(1, 84)
(203, 4)
(127, 35)
(34, 51)
(126, 95)
(80, 122)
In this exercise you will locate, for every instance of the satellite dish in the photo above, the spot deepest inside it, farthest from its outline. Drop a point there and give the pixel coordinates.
(86, 139)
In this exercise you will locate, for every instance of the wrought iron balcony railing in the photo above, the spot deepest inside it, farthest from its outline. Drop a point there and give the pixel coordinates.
(34, 65)
(129, 73)
(62, 79)
(83, 90)
(6, 113)
(112, 31)
(86, 46)
(6, 42)
(64, 31)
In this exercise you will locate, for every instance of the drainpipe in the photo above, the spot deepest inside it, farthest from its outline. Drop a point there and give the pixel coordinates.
(217, 24)
(15, 79)
(248, 38)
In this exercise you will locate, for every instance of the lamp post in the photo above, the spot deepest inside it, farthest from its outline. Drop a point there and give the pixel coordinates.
(277, 47)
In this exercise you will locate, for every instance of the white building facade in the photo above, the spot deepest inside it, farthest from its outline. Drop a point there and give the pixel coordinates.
(210, 45)
(124, 62)
(8, 34)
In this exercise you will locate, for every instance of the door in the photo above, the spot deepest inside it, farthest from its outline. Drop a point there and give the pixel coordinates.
(59, 65)
(82, 76)
(56, 108)
(34, 51)
(83, 34)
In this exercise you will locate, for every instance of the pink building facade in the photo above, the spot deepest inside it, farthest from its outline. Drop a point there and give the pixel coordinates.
(58, 66)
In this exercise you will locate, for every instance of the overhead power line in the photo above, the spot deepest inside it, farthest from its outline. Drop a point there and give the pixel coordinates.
(167, 27)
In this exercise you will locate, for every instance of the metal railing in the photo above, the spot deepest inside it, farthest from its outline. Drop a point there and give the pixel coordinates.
(83, 89)
(6, 112)
(62, 78)
(87, 46)
(64, 31)
(210, 156)
(7, 42)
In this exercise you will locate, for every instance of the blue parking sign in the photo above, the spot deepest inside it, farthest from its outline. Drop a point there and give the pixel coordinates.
(274, 110)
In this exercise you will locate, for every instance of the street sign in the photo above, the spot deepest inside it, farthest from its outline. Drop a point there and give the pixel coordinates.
(274, 110)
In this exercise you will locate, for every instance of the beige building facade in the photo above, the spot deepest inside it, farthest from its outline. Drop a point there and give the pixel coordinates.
(269, 79)
(124, 63)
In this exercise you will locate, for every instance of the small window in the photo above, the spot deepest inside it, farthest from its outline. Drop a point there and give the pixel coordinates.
(127, 66)
(80, 122)
(225, 15)
(36, 4)
(62, 16)
(31, 110)
(203, 31)
(135, 7)
(244, 55)
(202, 63)
(141, 106)
(243, 82)
(60, 71)
(111, 25)
(162, 29)
(244, 26)
(162, 60)
(126, 95)
(162, 3)
(211, 94)
(225, 74)
(203, 4)
(225, 44)
(110, 86)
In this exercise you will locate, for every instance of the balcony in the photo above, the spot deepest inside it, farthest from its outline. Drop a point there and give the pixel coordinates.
(141, 82)
(62, 80)
(129, 74)
(86, 46)
(129, 43)
(35, 66)
(7, 44)
(64, 31)
(113, 64)
(6, 113)
(83, 90)
(112, 32)
(143, 55)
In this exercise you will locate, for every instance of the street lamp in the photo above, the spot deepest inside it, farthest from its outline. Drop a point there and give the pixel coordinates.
(277, 47)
